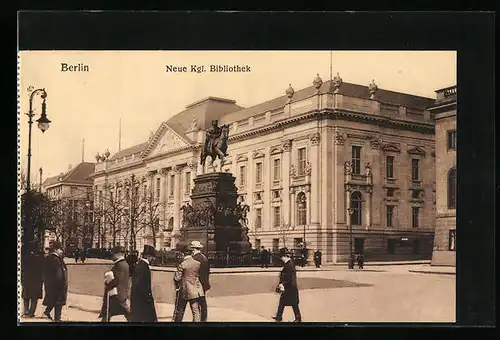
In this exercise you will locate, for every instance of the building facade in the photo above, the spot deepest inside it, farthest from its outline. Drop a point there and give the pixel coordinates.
(445, 113)
(288, 156)
(71, 195)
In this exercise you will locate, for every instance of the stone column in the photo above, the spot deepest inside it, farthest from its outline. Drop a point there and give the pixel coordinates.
(177, 202)
(293, 200)
(308, 206)
(249, 179)
(314, 200)
(285, 180)
(368, 208)
(193, 166)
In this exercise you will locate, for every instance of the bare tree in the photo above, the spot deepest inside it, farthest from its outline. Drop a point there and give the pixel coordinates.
(114, 212)
(151, 218)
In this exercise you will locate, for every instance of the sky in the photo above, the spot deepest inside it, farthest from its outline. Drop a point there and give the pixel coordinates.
(132, 86)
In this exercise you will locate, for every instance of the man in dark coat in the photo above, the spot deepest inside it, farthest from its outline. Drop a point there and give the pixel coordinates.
(132, 259)
(361, 260)
(83, 255)
(142, 304)
(264, 258)
(317, 258)
(196, 247)
(116, 288)
(31, 279)
(288, 288)
(56, 282)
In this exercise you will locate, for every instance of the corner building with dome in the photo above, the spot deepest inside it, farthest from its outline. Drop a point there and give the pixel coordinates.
(289, 156)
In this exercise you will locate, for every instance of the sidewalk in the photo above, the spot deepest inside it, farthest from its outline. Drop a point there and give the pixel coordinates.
(85, 308)
(236, 270)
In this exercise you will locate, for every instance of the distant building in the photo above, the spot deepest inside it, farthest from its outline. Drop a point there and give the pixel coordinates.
(288, 157)
(71, 192)
(445, 113)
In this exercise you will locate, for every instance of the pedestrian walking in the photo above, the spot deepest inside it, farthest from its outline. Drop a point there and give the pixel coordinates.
(317, 258)
(76, 255)
(188, 287)
(31, 279)
(142, 304)
(287, 288)
(116, 288)
(83, 255)
(196, 247)
(56, 282)
(361, 260)
(264, 258)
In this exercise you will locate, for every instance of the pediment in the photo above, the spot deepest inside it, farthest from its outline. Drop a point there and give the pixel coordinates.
(276, 150)
(165, 140)
(391, 148)
(241, 158)
(258, 154)
(417, 150)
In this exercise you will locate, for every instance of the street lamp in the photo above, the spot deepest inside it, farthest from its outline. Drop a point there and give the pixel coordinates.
(43, 125)
(351, 255)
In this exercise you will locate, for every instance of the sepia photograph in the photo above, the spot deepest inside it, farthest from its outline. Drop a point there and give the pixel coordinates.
(237, 186)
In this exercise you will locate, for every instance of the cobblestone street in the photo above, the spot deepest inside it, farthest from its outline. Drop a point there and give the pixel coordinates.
(399, 293)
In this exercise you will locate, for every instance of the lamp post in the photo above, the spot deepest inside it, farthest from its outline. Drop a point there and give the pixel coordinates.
(43, 125)
(41, 171)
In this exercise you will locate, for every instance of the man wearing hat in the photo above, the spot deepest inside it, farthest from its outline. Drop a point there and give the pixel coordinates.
(196, 247)
(287, 288)
(188, 286)
(116, 287)
(56, 282)
(142, 304)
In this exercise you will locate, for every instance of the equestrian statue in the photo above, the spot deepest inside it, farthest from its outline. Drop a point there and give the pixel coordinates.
(215, 144)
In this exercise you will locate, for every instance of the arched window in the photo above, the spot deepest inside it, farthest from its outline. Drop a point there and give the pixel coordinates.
(301, 209)
(452, 188)
(356, 207)
(171, 224)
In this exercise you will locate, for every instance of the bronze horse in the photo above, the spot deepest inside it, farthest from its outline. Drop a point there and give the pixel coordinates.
(219, 148)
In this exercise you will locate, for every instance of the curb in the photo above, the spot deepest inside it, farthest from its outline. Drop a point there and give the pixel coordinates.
(430, 272)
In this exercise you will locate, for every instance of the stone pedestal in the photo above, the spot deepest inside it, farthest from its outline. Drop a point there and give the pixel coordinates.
(213, 217)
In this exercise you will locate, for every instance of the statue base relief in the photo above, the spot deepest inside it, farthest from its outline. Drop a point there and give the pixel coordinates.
(212, 219)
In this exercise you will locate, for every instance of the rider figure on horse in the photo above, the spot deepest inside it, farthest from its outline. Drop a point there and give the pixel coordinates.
(213, 133)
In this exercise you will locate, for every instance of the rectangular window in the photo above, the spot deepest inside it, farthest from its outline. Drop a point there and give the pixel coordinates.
(172, 184)
(414, 169)
(389, 166)
(276, 194)
(258, 218)
(414, 216)
(158, 188)
(277, 216)
(391, 246)
(452, 239)
(127, 197)
(119, 196)
(243, 174)
(356, 160)
(258, 173)
(301, 161)
(276, 244)
(297, 241)
(276, 170)
(452, 140)
(390, 192)
(415, 194)
(188, 183)
(390, 212)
